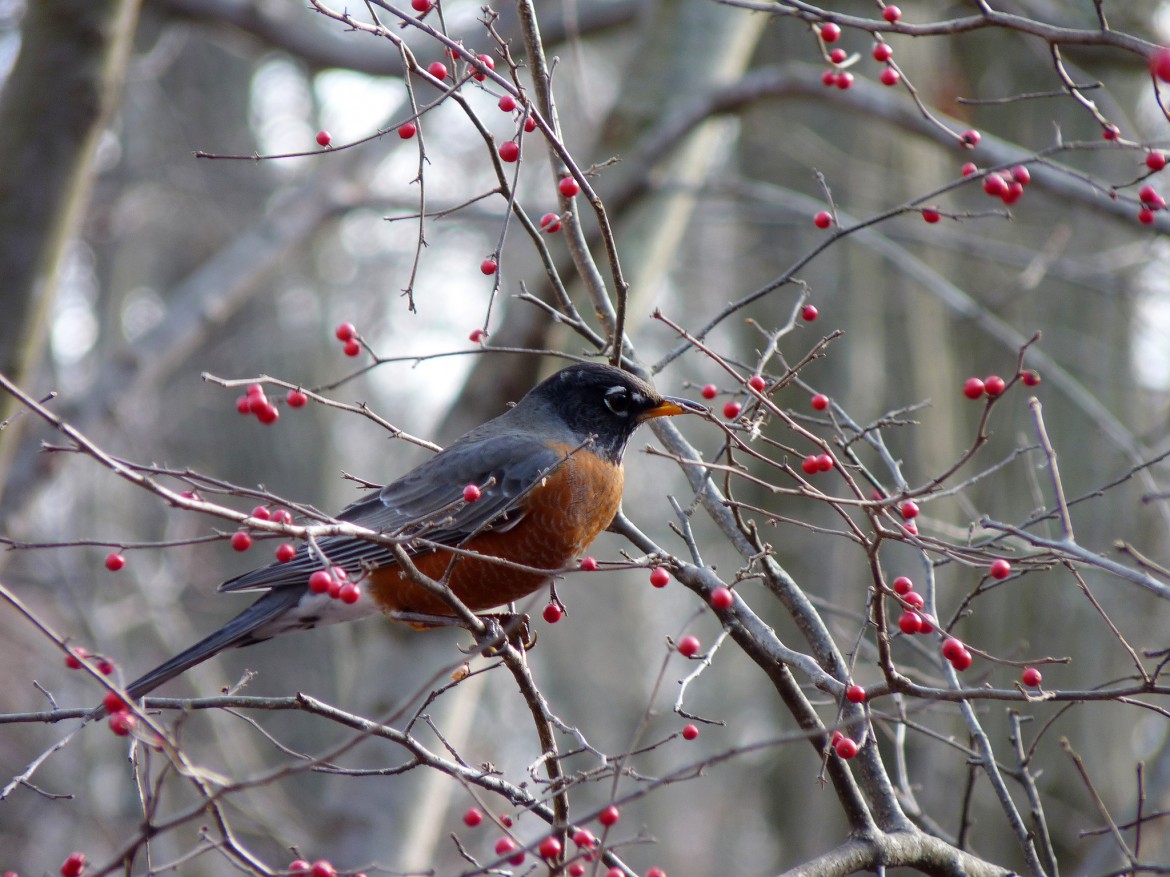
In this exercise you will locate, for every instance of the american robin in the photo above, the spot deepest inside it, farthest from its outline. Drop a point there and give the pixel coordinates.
(549, 477)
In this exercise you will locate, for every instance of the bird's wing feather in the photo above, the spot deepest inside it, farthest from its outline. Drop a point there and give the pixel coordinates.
(426, 502)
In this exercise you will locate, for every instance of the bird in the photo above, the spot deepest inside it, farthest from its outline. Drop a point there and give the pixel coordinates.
(533, 486)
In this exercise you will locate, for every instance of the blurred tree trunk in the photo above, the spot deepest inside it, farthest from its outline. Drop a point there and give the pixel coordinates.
(56, 103)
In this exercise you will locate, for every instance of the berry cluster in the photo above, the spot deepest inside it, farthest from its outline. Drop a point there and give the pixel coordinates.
(912, 620)
(349, 338)
(955, 652)
(991, 386)
(814, 463)
(550, 848)
(255, 402)
(1151, 201)
(104, 665)
(335, 582)
(319, 868)
(1008, 186)
(882, 53)
(845, 747)
(121, 720)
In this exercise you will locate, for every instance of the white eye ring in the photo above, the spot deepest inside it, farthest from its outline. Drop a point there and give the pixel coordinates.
(617, 400)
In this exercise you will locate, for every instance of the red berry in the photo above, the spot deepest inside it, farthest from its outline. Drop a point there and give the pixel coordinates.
(962, 661)
(722, 598)
(1111, 132)
(890, 76)
(995, 185)
(1155, 160)
(855, 694)
(261, 513)
(1149, 196)
(322, 868)
(1021, 175)
(731, 410)
(903, 585)
(973, 388)
(809, 464)
(914, 600)
(845, 748)
(970, 139)
(1014, 192)
(969, 168)
(105, 666)
(268, 415)
(808, 313)
(324, 138)
(241, 541)
(609, 816)
(505, 820)
(1030, 378)
(553, 613)
(838, 55)
(509, 151)
(352, 348)
(655, 872)
(344, 332)
(952, 648)
(994, 385)
(320, 581)
(407, 130)
(282, 516)
(299, 866)
(910, 622)
(909, 509)
(659, 577)
(420, 5)
(507, 103)
(550, 223)
(710, 391)
(931, 215)
(504, 846)
(529, 125)
(688, 646)
(244, 405)
(257, 403)
(823, 219)
(74, 865)
(114, 703)
(824, 463)
(349, 593)
(296, 399)
(690, 732)
(1000, 569)
(471, 493)
(757, 383)
(285, 552)
(569, 187)
(583, 837)
(891, 14)
(829, 78)
(1146, 216)
(75, 663)
(486, 61)
(1160, 64)
(928, 623)
(820, 402)
(844, 80)
(882, 52)
(122, 724)
(472, 817)
(830, 32)
(911, 528)
(588, 564)
(477, 335)
(837, 735)
(115, 561)
(1031, 677)
(549, 848)
(437, 69)
(577, 869)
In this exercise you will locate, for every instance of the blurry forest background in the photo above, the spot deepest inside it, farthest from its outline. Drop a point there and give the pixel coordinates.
(132, 267)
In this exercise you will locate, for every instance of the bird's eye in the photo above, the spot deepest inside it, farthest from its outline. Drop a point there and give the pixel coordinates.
(617, 400)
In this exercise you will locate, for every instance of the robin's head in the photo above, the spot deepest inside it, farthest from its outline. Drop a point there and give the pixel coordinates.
(604, 402)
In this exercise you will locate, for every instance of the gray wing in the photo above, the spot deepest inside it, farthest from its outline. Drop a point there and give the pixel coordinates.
(428, 503)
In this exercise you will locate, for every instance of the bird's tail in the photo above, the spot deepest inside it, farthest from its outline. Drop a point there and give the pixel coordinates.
(243, 630)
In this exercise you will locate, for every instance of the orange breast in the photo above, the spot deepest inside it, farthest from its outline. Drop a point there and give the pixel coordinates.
(561, 517)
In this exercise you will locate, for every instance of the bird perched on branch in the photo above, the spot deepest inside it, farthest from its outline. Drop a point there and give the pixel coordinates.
(492, 517)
